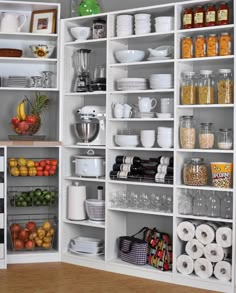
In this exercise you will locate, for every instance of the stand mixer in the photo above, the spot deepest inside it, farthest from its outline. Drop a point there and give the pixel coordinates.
(91, 126)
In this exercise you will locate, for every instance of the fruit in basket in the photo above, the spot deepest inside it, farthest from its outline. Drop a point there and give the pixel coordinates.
(47, 245)
(21, 162)
(23, 171)
(12, 162)
(38, 241)
(30, 163)
(47, 239)
(47, 226)
(15, 228)
(32, 171)
(29, 244)
(18, 244)
(41, 233)
(23, 235)
(31, 226)
(33, 235)
(14, 171)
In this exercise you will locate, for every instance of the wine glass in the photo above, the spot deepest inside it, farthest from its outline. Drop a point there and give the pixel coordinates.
(134, 200)
(155, 201)
(144, 201)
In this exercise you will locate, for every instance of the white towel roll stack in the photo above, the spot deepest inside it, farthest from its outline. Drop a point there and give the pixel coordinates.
(185, 264)
(215, 253)
(205, 233)
(194, 249)
(224, 237)
(223, 271)
(186, 230)
(203, 268)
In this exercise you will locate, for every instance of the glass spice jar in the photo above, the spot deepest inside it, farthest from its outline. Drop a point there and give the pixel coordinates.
(212, 45)
(225, 139)
(206, 136)
(225, 44)
(210, 15)
(206, 88)
(188, 89)
(198, 17)
(225, 87)
(195, 172)
(200, 46)
(223, 14)
(187, 47)
(187, 132)
(187, 18)
(99, 28)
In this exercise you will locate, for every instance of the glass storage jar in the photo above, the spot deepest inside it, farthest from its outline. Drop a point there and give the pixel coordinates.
(187, 18)
(187, 132)
(206, 136)
(188, 89)
(212, 45)
(198, 17)
(195, 172)
(200, 46)
(225, 44)
(223, 14)
(185, 206)
(206, 88)
(213, 205)
(225, 87)
(187, 47)
(226, 206)
(199, 204)
(225, 139)
(210, 15)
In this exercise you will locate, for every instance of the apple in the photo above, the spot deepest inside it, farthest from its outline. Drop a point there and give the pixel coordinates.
(29, 244)
(23, 235)
(18, 244)
(30, 226)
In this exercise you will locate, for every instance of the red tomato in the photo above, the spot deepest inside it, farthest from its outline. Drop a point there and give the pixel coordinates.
(54, 162)
(47, 162)
(22, 125)
(30, 119)
(47, 168)
(53, 168)
(39, 173)
(42, 163)
(36, 164)
(29, 244)
(51, 172)
(23, 235)
(31, 226)
(15, 120)
(18, 244)
(45, 173)
(39, 168)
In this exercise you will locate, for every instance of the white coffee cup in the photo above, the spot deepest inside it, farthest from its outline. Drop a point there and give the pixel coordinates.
(118, 110)
(127, 110)
(146, 104)
(167, 105)
(147, 138)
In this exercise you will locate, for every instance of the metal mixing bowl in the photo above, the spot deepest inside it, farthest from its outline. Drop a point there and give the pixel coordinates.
(87, 130)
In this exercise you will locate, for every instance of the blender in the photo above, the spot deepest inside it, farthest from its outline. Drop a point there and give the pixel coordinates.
(81, 64)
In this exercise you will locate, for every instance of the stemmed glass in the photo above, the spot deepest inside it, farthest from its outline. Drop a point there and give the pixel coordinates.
(47, 79)
(144, 201)
(155, 202)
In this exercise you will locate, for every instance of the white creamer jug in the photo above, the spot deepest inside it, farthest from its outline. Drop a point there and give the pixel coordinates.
(146, 104)
(10, 22)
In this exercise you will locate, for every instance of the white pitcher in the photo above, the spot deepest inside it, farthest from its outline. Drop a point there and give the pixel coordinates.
(146, 104)
(10, 22)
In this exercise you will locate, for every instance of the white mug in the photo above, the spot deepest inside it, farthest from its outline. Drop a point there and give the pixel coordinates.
(167, 105)
(146, 104)
(127, 110)
(118, 110)
(147, 138)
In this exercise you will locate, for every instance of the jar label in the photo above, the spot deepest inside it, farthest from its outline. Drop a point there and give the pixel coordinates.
(187, 19)
(210, 16)
(198, 17)
(125, 167)
(222, 15)
(128, 160)
(122, 174)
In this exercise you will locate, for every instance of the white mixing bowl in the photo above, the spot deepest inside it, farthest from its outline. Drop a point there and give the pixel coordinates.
(81, 32)
(128, 56)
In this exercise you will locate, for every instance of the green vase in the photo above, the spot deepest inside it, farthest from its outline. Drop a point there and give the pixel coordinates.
(88, 7)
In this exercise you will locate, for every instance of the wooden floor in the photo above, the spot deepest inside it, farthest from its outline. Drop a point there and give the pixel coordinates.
(65, 278)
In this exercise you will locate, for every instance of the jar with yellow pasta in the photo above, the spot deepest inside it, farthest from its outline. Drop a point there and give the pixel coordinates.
(225, 87)
(206, 88)
(188, 89)
(187, 47)
(212, 45)
(225, 44)
(200, 46)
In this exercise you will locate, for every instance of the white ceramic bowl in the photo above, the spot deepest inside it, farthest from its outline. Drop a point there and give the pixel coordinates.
(142, 16)
(127, 140)
(126, 17)
(42, 51)
(164, 28)
(81, 32)
(142, 32)
(164, 19)
(142, 26)
(128, 56)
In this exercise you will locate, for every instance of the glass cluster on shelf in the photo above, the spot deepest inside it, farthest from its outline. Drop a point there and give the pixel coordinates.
(142, 201)
(210, 204)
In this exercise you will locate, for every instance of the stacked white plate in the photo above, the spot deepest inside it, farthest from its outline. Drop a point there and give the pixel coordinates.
(165, 137)
(16, 81)
(161, 81)
(142, 24)
(131, 84)
(124, 25)
(164, 24)
(88, 246)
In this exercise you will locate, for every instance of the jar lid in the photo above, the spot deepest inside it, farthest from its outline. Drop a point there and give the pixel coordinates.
(206, 72)
(206, 124)
(225, 71)
(196, 160)
(211, 5)
(224, 34)
(187, 117)
(189, 73)
(225, 129)
(90, 155)
(200, 36)
(212, 35)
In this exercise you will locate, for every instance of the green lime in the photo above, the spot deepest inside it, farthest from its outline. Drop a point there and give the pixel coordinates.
(24, 204)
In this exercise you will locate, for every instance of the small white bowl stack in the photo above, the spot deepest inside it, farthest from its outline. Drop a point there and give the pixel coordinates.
(142, 23)
(124, 25)
(164, 24)
(165, 137)
(161, 81)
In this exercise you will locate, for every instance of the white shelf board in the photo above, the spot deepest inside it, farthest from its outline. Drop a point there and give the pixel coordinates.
(143, 91)
(99, 258)
(217, 58)
(86, 223)
(77, 178)
(206, 106)
(142, 63)
(150, 35)
(153, 184)
(205, 29)
(78, 42)
(142, 149)
(26, 60)
(205, 218)
(141, 119)
(27, 36)
(147, 212)
(29, 89)
(85, 17)
(32, 256)
(86, 93)
(217, 151)
(205, 188)
(96, 147)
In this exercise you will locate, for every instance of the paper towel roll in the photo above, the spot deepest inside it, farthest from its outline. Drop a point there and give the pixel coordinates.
(224, 237)
(194, 248)
(186, 230)
(76, 203)
(205, 233)
(203, 268)
(215, 253)
(185, 264)
(223, 271)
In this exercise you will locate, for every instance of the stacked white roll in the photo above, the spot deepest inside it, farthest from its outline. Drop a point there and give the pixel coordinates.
(76, 203)
(207, 247)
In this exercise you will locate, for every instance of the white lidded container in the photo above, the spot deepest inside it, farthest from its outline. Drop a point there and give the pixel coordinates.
(76, 202)
(89, 165)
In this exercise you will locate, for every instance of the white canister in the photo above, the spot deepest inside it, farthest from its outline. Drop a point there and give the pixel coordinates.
(76, 202)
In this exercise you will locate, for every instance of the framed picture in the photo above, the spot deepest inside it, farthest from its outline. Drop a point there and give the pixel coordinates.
(43, 21)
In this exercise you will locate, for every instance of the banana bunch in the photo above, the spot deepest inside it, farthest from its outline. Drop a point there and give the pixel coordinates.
(20, 110)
